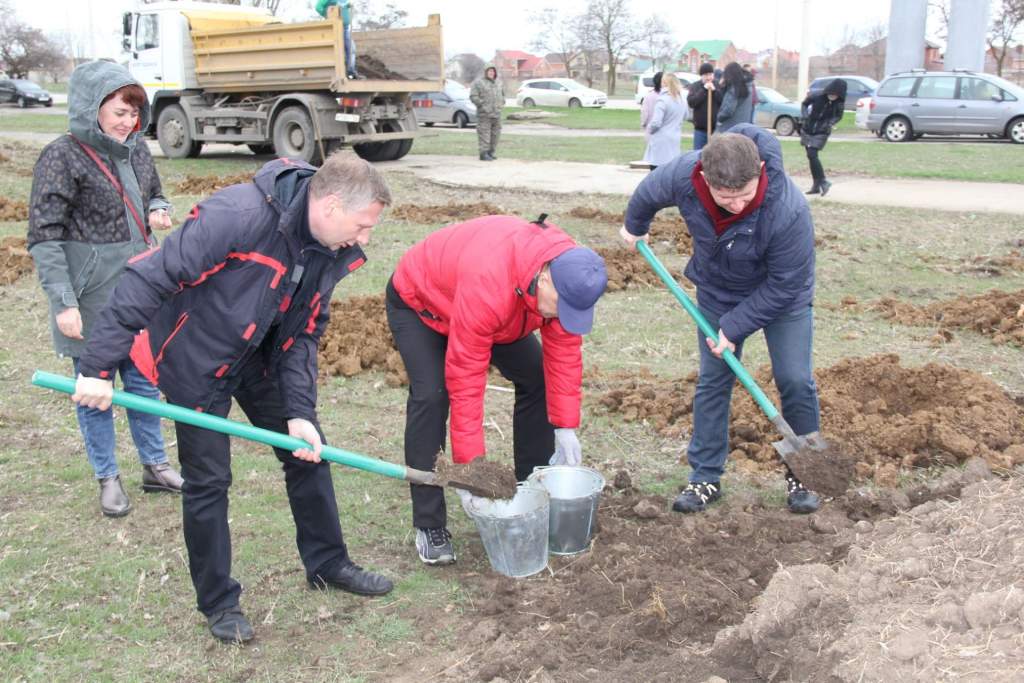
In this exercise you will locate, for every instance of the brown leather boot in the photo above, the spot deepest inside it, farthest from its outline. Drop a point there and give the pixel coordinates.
(113, 500)
(161, 477)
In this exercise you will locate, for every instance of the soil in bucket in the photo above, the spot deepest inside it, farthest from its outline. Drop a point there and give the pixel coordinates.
(481, 477)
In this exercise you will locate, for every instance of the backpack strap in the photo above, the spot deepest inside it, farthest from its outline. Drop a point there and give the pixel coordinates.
(117, 186)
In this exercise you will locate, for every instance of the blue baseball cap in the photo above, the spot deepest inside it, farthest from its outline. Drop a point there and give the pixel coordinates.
(580, 279)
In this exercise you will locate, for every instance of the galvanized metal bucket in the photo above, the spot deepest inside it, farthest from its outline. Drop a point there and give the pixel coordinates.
(575, 493)
(514, 532)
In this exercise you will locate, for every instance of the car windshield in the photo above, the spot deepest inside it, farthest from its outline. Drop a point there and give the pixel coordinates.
(27, 85)
(770, 96)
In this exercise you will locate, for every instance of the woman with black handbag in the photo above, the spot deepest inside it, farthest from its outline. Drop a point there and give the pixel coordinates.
(819, 114)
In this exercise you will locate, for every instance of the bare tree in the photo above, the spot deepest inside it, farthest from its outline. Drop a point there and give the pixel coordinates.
(940, 10)
(24, 48)
(1005, 23)
(875, 35)
(659, 43)
(371, 16)
(616, 31)
(271, 5)
(556, 34)
(590, 49)
(469, 67)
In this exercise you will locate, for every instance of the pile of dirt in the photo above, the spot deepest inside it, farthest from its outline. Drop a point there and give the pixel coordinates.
(934, 595)
(15, 261)
(208, 184)
(18, 158)
(995, 266)
(358, 338)
(13, 210)
(627, 269)
(667, 226)
(995, 314)
(886, 416)
(443, 213)
(375, 69)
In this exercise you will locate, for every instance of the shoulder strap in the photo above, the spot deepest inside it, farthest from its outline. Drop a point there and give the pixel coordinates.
(117, 186)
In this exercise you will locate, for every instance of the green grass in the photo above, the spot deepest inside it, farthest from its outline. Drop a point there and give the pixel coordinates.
(33, 123)
(587, 118)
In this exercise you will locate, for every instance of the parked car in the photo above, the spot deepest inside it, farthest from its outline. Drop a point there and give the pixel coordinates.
(856, 88)
(645, 83)
(25, 93)
(775, 110)
(450, 106)
(558, 92)
(915, 103)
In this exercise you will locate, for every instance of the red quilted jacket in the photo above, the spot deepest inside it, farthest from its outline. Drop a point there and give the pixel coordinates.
(471, 281)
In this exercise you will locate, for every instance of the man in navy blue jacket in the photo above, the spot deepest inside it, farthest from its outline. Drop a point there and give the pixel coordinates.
(753, 264)
(233, 304)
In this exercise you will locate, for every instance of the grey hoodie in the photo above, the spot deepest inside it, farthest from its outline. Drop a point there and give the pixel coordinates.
(81, 234)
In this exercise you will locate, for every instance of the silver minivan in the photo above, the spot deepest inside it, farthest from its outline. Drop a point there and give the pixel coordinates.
(910, 104)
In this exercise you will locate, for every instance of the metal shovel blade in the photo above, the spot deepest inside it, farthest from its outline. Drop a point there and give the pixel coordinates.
(817, 464)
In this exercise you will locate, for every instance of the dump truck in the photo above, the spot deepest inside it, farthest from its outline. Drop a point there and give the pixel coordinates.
(237, 75)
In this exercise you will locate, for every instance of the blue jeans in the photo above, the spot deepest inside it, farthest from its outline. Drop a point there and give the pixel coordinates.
(350, 51)
(789, 340)
(700, 138)
(97, 426)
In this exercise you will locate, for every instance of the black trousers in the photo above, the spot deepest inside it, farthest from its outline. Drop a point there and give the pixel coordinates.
(426, 412)
(817, 170)
(205, 458)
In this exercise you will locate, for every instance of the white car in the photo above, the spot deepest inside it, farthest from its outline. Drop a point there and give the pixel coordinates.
(645, 83)
(558, 92)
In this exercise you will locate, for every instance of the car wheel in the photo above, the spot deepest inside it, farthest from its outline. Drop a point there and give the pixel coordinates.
(1015, 130)
(528, 103)
(785, 126)
(49, 104)
(461, 120)
(174, 135)
(22, 103)
(294, 137)
(898, 129)
(575, 103)
(428, 124)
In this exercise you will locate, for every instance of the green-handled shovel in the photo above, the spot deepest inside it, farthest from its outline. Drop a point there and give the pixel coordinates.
(223, 425)
(809, 457)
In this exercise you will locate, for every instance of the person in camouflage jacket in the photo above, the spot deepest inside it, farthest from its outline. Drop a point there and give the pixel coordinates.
(489, 97)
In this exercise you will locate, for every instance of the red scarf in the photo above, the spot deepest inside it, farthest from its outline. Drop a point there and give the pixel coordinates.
(721, 218)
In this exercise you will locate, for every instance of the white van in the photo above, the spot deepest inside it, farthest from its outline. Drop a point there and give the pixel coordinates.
(645, 83)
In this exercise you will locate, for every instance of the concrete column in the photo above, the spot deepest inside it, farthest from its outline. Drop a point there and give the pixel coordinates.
(904, 48)
(968, 25)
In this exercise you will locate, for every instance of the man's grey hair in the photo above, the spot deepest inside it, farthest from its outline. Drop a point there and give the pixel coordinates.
(730, 161)
(352, 180)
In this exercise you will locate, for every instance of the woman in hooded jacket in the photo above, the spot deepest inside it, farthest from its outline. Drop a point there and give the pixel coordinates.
(647, 106)
(737, 100)
(664, 130)
(819, 114)
(96, 199)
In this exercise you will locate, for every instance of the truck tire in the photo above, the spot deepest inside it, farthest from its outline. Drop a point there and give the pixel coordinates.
(261, 149)
(294, 137)
(403, 148)
(379, 151)
(174, 135)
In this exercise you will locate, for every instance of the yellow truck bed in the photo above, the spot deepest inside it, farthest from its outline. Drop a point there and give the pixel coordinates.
(311, 56)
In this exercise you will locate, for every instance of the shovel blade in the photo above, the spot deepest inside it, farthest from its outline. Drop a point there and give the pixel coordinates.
(819, 466)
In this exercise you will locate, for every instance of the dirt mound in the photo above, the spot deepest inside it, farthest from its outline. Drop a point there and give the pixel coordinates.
(994, 266)
(15, 261)
(443, 213)
(207, 184)
(995, 314)
(887, 416)
(358, 338)
(668, 227)
(935, 595)
(627, 268)
(18, 158)
(13, 210)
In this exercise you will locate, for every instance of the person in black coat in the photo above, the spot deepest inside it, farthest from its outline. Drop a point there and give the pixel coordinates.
(697, 98)
(819, 113)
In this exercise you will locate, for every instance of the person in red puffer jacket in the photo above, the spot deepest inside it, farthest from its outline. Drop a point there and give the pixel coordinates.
(471, 295)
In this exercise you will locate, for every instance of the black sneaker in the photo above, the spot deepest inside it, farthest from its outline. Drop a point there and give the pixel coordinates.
(435, 546)
(800, 499)
(697, 496)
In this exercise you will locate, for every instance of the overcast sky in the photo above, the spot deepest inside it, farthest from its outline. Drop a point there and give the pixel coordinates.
(482, 26)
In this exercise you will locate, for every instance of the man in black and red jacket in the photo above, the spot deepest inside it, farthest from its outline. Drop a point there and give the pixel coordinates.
(233, 304)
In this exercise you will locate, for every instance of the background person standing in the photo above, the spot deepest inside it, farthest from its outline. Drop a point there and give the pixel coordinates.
(737, 100)
(665, 126)
(489, 97)
(819, 114)
(699, 94)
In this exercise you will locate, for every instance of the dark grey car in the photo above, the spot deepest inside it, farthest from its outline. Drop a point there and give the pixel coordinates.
(23, 93)
(910, 104)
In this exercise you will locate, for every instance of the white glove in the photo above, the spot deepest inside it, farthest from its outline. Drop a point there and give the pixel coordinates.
(567, 448)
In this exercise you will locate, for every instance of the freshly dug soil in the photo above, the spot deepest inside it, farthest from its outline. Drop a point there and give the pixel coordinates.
(668, 226)
(994, 266)
(374, 69)
(481, 477)
(207, 184)
(887, 417)
(443, 213)
(828, 471)
(15, 261)
(13, 210)
(995, 314)
(358, 338)
(627, 269)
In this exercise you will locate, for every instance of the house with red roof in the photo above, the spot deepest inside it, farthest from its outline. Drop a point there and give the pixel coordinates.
(516, 65)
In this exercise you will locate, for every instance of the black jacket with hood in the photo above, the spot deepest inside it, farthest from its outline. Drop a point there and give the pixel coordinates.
(819, 114)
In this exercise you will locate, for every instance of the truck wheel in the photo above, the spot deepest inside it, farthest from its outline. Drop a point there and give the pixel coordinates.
(261, 149)
(174, 135)
(378, 151)
(403, 148)
(294, 137)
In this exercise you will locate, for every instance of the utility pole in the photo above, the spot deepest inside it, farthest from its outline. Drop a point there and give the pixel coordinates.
(805, 49)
